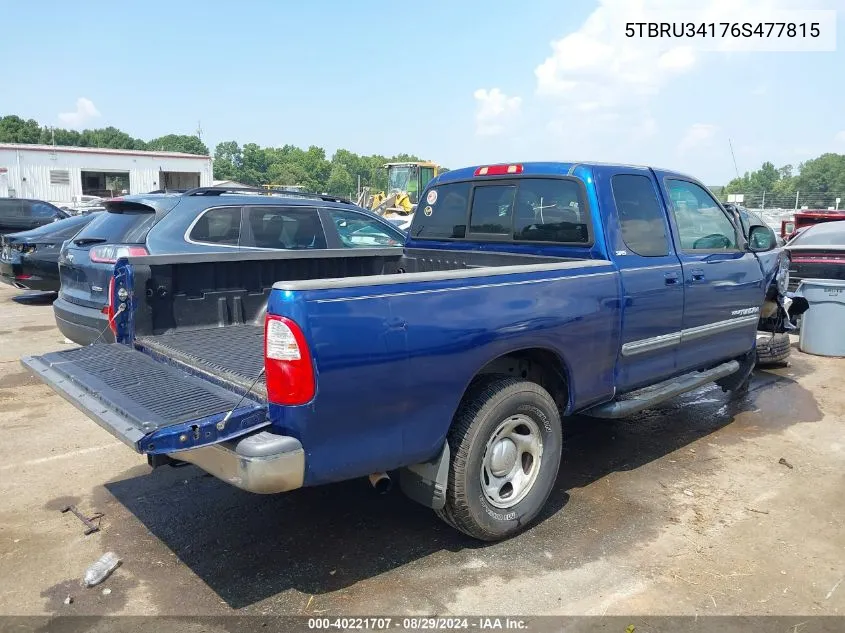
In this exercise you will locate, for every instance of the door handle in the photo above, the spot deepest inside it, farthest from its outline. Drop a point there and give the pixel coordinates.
(670, 278)
(697, 274)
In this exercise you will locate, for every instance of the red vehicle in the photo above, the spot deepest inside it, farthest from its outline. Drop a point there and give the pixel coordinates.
(808, 217)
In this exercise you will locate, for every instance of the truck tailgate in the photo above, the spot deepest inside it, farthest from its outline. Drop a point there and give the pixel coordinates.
(152, 406)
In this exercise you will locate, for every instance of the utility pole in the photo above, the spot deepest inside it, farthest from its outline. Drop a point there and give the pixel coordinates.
(199, 130)
(763, 204)
(796, 200)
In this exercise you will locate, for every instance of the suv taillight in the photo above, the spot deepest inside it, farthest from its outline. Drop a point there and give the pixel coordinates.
(287, 362)
(110, 253)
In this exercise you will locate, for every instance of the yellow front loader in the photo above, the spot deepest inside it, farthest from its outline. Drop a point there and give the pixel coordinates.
(405, 182)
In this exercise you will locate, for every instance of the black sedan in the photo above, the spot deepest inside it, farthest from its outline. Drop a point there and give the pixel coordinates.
(817, 253)
(29, 259)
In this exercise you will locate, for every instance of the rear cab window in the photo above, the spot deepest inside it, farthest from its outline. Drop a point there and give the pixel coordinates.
(124, 223)
(530, 209)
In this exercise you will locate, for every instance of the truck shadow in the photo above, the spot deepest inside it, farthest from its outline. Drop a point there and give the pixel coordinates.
(247, 548)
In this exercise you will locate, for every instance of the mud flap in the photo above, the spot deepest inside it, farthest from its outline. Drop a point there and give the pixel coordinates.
(426, 483)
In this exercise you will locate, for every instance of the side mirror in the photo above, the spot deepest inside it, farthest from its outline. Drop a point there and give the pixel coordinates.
(761, 239)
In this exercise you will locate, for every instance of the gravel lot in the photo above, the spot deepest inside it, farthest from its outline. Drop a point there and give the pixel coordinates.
(681, 510)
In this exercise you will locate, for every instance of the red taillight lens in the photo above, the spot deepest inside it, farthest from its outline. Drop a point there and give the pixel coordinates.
(110, 253)
(109, 309)
(287, 362)
(498, 170)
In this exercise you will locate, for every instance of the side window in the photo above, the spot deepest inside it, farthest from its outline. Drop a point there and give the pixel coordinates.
(442, 214)
(41, 210)
(702, 225)
(10, 208)
(550, 210)
(286, 227)
(218, 226)
(492, 209)
(6, 211)
(641, 217)
(358, 231)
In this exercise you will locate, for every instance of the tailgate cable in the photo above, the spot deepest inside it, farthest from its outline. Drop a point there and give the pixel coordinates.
(120, 309)
(222, 424)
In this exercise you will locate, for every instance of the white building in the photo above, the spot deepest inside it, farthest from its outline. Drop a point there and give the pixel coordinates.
(62, 175)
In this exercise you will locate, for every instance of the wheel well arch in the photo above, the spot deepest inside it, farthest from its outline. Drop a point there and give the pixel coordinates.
(542, 365)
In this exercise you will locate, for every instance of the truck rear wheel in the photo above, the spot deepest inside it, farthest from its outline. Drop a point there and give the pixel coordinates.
(505, 443)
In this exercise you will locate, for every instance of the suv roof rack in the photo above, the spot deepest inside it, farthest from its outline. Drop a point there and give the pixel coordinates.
(285, 193)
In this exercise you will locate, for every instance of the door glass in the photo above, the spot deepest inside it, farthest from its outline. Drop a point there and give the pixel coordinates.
(702, 225)
(641, 217)
(492, 209)
(40, 210)
(218, 226)
(286, 227)
(358, 231)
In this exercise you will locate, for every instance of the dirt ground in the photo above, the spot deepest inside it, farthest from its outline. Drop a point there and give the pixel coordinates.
(685, 510)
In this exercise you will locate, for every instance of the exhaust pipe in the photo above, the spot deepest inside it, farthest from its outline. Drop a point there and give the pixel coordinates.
(19, 285)
(381, 482)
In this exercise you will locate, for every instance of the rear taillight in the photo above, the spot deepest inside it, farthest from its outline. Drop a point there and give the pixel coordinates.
(109, 308)
(110, 253)
(287, 362)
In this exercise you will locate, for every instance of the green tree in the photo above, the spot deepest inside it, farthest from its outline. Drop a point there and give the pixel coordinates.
(228, 161)
(14, 129)
(186, 143)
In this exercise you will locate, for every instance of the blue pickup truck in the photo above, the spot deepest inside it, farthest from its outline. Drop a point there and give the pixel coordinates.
(524, 293)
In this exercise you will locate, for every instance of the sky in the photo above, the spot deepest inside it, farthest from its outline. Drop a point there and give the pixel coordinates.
(460, 83)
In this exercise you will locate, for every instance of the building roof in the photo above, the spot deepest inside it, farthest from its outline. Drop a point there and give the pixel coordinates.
(97, 150)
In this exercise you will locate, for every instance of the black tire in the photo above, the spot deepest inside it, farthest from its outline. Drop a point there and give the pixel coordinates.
(490, 402)
(773, 349)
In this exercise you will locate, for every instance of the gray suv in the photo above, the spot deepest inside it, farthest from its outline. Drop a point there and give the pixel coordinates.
(203, 220)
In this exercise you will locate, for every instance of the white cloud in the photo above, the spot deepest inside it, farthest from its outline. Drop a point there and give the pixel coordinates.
(598, 68)
(698, 135)
(494, 110)
(85, 111)
(840, 137)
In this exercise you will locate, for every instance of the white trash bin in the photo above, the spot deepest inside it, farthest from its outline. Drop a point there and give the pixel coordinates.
(823, 325)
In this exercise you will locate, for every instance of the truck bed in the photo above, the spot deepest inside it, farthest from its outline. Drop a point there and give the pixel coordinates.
(234, 355)
(205, 313)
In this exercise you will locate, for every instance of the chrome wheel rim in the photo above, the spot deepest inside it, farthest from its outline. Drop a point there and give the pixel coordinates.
(511, 461)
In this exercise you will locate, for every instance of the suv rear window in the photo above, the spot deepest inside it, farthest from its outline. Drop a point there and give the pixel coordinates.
(123, 226)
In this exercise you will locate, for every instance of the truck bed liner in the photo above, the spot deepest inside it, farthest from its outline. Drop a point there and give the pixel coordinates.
(233, 354)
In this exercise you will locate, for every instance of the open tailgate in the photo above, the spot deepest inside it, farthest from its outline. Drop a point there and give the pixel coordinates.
(150, 405)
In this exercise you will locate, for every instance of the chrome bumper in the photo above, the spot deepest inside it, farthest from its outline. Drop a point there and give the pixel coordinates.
(262, 462)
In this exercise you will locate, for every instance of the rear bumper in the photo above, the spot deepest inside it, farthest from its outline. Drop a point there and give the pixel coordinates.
(8, 272)
(263, 462)
(81, 325)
